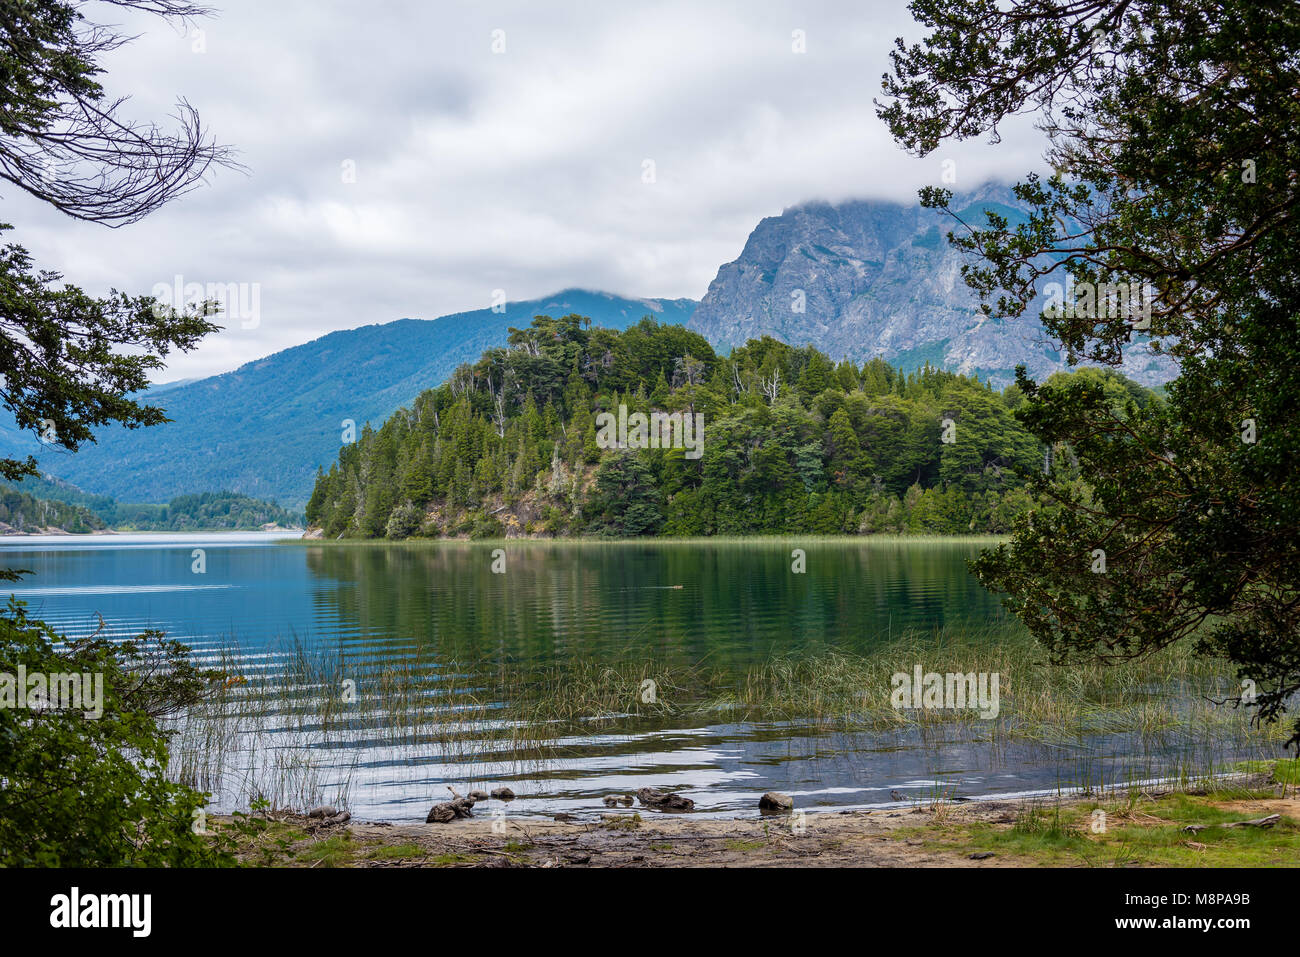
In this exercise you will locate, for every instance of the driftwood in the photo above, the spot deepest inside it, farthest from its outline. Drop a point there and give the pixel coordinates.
(1268, 821)
(450, 810)
(327, 816)
(1257, 822)
(664, 801)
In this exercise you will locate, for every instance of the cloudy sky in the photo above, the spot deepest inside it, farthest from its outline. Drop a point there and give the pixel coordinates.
(495, 146)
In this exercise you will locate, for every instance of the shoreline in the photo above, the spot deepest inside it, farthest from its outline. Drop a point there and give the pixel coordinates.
(795, 538)
(1231, 824)
(100, 533)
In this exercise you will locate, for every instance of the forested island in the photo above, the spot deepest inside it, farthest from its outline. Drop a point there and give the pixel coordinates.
(792, 443)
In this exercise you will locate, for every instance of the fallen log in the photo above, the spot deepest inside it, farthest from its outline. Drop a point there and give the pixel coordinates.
(1257, 822)
(664, 800)
(1268, 821)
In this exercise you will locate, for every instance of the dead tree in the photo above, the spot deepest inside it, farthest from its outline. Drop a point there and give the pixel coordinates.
(69, 146)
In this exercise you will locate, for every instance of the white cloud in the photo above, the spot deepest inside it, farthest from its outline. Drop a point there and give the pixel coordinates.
(478, 171)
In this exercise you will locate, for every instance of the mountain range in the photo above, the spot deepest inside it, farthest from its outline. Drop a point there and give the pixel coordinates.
(857, 279)
(870, 278)
(262, 429)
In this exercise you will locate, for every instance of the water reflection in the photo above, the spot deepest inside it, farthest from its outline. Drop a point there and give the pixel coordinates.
(724, 606)
(733, 605)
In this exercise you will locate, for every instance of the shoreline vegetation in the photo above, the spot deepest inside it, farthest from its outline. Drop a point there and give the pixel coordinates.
(1247, 818)
(253, 745)
(814, 538)
(1169, 711)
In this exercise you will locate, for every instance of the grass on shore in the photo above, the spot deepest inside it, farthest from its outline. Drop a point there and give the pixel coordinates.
(1138, 830)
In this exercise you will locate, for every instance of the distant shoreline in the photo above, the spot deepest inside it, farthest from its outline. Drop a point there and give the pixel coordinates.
(97, 533)
(793, 537)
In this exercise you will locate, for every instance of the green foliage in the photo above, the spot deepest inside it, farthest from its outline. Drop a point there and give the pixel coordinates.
(625, 502)
(53, 489)
(792, 443)
(93, 791)
(63, 374)
(26, 513)
(204, 511)
(1172, 130)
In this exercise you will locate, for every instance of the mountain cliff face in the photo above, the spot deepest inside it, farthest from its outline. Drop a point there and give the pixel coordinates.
(871, 278)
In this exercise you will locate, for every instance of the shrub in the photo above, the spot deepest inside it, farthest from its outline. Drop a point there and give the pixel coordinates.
(78, 791)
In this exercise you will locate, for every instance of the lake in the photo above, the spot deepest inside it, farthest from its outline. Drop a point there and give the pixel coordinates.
(725, 606)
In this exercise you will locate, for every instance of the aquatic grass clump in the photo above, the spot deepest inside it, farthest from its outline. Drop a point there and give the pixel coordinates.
(289, 734)
(1038, 701)
(591, 690)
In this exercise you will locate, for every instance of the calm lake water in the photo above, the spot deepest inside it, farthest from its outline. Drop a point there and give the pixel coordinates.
(723, 606)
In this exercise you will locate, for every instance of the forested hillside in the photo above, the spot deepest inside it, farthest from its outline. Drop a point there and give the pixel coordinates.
(792, 443)
(76, 511)
(206, 511)
(21, 512)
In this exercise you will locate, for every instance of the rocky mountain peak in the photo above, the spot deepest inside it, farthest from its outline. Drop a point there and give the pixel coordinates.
(868, 278)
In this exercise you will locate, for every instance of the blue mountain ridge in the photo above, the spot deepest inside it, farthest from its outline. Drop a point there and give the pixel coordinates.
(264, 428)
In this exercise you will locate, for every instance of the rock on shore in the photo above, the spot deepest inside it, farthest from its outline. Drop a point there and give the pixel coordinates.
(774, 802)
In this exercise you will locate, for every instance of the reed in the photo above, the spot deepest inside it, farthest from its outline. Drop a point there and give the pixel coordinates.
(276, 730)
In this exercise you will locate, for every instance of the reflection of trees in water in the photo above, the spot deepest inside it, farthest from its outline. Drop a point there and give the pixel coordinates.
(736, 604)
